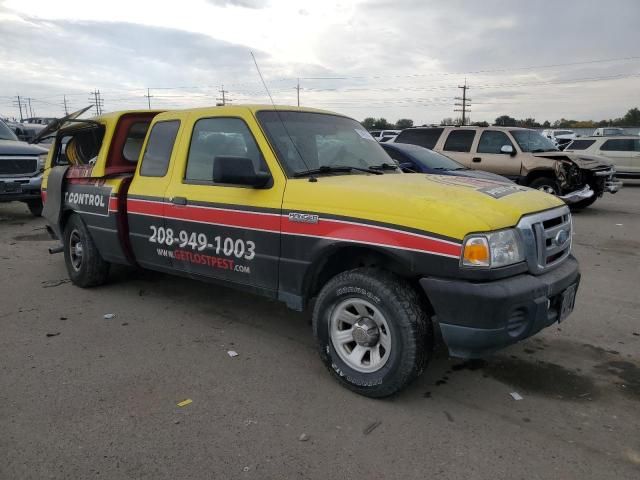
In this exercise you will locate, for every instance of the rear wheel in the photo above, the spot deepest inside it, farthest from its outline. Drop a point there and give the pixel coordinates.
(373, 331)
(85, 266)
(546, 184)
(35, 207)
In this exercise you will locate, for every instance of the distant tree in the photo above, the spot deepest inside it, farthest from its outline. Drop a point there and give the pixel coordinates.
(480, 124)
(506, 121)
(404, 123)
(381, 123)
(546, 124)
(529, 123)
(368, 123)
(447, 121)
(632, 118)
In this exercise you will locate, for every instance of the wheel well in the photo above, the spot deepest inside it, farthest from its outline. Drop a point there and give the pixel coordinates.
(540, 174)
(348, 258)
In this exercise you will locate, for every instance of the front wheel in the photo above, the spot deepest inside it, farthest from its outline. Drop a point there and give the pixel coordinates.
(373, 331)
(546, 184)
(85, 266)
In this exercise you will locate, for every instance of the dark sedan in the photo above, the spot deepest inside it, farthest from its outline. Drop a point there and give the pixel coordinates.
(413, 158)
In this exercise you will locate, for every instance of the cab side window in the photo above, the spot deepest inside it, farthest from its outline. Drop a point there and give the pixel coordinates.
(220, 137)
(617, 145)
(491, 141)
(459, 141)
(155, 161)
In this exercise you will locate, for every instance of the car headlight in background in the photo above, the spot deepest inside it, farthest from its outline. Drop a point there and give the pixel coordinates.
(42, 160)
(492, 249)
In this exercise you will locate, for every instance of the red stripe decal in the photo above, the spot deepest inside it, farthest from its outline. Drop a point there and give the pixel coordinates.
(325, 228)
(113, 204)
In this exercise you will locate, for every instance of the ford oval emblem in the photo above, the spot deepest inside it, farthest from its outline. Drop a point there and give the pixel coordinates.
(561, 237)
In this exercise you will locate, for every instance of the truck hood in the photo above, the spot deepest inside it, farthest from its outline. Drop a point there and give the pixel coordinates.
(441, 204)
(588, 162)
(11, 147)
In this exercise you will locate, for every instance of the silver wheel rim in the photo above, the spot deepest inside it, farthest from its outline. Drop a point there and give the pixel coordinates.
(360, 335)
(76, 250)
(547, 189)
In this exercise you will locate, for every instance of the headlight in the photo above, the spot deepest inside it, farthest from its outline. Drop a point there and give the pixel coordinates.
(493, 249)
(42, 160)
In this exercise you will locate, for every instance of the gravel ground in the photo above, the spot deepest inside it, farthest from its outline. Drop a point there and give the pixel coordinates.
(82, 396)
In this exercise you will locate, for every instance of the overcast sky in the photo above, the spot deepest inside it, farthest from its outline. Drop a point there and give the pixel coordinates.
(382, 58)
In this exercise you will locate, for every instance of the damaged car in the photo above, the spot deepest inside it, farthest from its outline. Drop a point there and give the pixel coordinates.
(524, 156)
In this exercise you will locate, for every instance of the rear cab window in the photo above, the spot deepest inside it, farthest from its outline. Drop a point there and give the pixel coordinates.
(459, 141)
(424, 137)
(157, 154)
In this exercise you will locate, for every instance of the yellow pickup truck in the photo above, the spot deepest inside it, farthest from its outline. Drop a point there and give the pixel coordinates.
(304, 206)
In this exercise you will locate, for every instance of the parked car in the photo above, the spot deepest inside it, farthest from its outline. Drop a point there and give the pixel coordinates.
(560, 138)
(21, 167)
(524, 156)
(384, 135)
(244, 196)
(608, 132)
(415, 159)
(623, 151)
(24, 132)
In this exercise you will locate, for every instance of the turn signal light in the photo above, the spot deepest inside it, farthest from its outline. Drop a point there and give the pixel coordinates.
(476, 252)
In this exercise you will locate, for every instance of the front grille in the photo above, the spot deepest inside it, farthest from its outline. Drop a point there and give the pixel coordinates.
(547, 238)
(18, 166)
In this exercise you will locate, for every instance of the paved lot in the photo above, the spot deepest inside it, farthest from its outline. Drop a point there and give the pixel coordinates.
(83, 397)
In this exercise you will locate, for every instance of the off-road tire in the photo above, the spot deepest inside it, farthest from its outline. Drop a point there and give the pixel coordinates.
(35, 207)
(92, 270)
(541, 182)
(408, 319)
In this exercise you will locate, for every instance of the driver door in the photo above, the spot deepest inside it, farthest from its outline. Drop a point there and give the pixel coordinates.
(488, 155)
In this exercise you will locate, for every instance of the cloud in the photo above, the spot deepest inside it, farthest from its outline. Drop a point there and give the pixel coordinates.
(391, 58)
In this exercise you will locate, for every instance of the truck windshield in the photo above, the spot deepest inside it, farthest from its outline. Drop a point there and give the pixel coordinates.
(532, 141)
(6, 133)
(306, 141)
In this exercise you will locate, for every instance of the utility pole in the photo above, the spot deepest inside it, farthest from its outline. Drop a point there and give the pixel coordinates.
(298, 90)
(97, 101)
(19, 102)
(464, 102)
(64, 102)
(222, 100)
(30, 110)
(148, 95)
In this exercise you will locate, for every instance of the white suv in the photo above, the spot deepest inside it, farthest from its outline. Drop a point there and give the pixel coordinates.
(622, 150)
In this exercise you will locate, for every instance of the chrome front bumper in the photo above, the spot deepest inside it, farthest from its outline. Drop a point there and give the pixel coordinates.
(577, 196)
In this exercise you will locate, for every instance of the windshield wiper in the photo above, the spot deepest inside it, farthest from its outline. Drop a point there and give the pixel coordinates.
(385, 166)
(334, 169)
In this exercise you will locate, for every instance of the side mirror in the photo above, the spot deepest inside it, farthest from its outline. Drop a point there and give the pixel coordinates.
(407, 167)
(507, 149)
(238, 171)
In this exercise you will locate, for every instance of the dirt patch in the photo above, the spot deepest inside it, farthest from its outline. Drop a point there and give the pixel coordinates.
(627, 374)
(33, 237)
(543, 378)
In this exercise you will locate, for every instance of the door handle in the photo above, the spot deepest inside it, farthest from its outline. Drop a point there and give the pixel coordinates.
(179, 200)
(476, 159)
